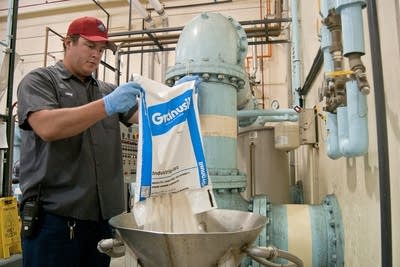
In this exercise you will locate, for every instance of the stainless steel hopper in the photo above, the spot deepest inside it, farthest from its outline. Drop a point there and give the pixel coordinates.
(226, 234)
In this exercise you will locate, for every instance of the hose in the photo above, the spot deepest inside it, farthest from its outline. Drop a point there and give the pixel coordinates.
(290, 257)
(263, 255)
(112, 247)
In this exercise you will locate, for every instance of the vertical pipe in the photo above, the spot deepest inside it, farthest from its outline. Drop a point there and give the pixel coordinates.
(10, 126)
(381, 126)
(332, 143)
(254, 61)
(296, 66)
(147, 18)
(353, 122)
(128, 58)
(352, 26)
(352, 118)
(108, 28)
(117, 67)
(262, 66)
(46, 47)
(164, 58)
(158, 7)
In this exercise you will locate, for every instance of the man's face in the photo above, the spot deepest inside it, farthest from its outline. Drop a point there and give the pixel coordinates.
(83, 57)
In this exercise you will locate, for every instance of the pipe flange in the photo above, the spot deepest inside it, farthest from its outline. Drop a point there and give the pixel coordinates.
(335, 231)
(224, 74)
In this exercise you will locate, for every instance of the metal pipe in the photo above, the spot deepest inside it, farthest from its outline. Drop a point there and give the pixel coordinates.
(347, 119)
(145, 15)
(142, 51)
(353, 122)
(128, 63)
(382, 136)
(164, 58)
(261, 120)
(318, 228)
(37, 4)
(108, 27)
(255, 64)
(46, 52)
(290, 257)
(251, 174)
(263, 255)
(352, 117)
(157, 7)
(117, 64)
(353, 38)
(9, 23)
(296, 63)
(161, 11)
(46, 46)
(198, 4)
(179, 28)
(250, 32)
(142, 11)
(10, 138)
(332, 142)
(265, 112)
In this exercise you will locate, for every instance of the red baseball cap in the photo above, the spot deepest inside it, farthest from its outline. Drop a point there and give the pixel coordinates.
(91, 29)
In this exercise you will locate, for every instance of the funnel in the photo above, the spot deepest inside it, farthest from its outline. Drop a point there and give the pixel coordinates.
(226, 233)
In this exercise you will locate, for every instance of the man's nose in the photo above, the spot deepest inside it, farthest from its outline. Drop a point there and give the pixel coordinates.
(98, 52)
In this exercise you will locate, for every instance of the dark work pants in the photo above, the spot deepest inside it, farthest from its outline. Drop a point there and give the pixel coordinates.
(52, 246)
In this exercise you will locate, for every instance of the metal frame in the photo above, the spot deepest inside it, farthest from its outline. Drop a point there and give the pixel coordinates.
(150, 40)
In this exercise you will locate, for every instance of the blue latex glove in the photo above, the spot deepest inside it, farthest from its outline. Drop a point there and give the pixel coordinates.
(122, 98)
(188, 78)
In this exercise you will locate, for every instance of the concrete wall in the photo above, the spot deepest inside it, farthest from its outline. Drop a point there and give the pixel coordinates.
(355, 181)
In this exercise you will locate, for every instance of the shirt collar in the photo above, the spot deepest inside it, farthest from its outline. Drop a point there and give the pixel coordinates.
(65, 74)
(62, 71)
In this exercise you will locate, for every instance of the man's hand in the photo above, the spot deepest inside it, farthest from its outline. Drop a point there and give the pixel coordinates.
(122, 98)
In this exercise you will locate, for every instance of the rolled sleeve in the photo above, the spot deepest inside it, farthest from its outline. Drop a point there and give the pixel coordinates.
(36, 91)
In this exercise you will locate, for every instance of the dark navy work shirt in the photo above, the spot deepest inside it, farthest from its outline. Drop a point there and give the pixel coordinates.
(80, 176)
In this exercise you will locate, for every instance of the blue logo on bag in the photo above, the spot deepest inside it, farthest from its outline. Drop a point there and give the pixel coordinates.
(166, 115)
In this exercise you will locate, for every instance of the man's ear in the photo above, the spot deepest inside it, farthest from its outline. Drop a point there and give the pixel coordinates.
(67, 41)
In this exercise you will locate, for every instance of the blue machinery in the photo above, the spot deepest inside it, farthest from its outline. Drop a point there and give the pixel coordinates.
(214, 47)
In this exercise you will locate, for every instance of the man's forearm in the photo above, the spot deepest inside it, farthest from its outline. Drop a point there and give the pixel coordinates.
(55, 124)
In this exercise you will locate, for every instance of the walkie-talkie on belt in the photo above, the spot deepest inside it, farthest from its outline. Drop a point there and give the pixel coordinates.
(30, 215)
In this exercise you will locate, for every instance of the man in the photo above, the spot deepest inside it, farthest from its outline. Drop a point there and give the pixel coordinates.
(71, 165)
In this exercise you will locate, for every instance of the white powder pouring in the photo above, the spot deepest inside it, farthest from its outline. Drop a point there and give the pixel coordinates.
(173, 212)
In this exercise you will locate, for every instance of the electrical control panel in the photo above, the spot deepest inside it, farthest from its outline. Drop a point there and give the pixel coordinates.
(129, 139)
